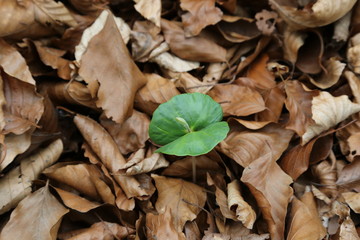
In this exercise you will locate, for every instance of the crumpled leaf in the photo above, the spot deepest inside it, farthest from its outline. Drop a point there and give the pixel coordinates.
(305, 220)
(326, 173)
(270, 187)
(89, 7)
(349, 176)
(342, 28)
(348, 230)
(161, 226)
(353, 200)
(274, 101)
(238, 29)
(201, 13)
(259, 73)
(334, 69)
(190, 83)
(320, 13)
(110, 71)
(183, 199)
(150, 10)
(293, 40)
(42, 210)
(353, 53)
(16, 184)
(265, 21)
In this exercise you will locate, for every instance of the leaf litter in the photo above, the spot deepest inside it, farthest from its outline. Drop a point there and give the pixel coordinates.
(80, 81)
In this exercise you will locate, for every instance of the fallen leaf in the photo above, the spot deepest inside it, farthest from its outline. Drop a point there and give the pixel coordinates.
(199, 15)
(349, 176)
(293, 40)
(265, 21)
(353, 52)
(150, 10)
(16, 184)
(353, 200)
(263, 176)
(259, 73)
(190, 83)
(354, 83)
(274, 101)
(42, 210)
(162, 226)
(348, 230)
(342, 28)
(334, 69)
(238, 29)
(184, 199)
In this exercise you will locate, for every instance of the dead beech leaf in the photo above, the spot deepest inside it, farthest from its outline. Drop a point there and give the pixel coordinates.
(243, 210)
(270, 187)
(193, 48)
(238, 29)
(161, 226)
(318, 14)
(349, 176)
(150, 10)
(259, 73)
(265, 21)
(334, 69)
(353, 200)
(237, 100)
(326, 173)
(246, 146)
(110, 71)
(132, 134)
(200, 14)
(88, 6)
(190, 83)
(293, 40)
(274, 101)
(354, 83)
(184, 199)
(16, 184)
(327, 111)
(348, 230)
(342, 28)
(353, 53)
(305, 220)
(42, 210)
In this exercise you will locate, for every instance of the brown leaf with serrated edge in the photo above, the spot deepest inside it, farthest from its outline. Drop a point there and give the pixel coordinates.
(349, 176)
(193, 48)
(162, 226)
(305, 220)
(200, 14)
(299, 104)
(42, 210)
(112, 69)
(353, 200)
(331, 76)
(259, 73)
(150, 10)
(320, 13)
(101, 230)
(237, 100)
(85, 178)
(246, 146)
(270, 187)
(132, 134)
(238, 29)
(16, 184)
(184, 199)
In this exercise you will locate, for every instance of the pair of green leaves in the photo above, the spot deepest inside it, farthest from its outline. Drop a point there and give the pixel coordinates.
(188, 125)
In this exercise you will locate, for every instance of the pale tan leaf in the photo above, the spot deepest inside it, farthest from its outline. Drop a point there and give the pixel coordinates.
(190, 83)
(342, 28)
(184, 199)
(354, 83)
(16, 184)
(150, 10)
(293, 41)
(173, 63)
(334, 69)
(243, 210)
(348, 230)
(305, 220)
(321, 13)
(326, 173)
(162, 226)
(353, 200)
(353, 53)
(38, 216)
(214, 72)
(270, 186)
(327, 111)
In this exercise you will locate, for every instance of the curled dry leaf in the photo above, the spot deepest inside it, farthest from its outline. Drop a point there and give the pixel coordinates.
(161, 226)
(89, 7)
(353, 53)
(353, 200)
(349, 176)
(320, 13)
(305, 220)
(348, 230)
(270, 187)
(260, 75)
(354, 83)
(156, 91)
(214, 72)
(199, 15)
(349, 138)
(150, 10)
(243, 210)
(132, 134)
(238, 29)
(342, 28)
(16, 184)
(112, 75)
(184, 199)
(274, 102)
(194, 48)
(246, 146)
(42, 210)
(331, 76)
(293, 40)
(326, 173)
(237, 100)
(190, 83)
(265, 21)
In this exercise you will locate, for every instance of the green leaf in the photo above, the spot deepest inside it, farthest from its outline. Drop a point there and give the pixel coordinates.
(188, 124)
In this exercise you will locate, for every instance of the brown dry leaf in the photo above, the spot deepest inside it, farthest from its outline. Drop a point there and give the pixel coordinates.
(85, 178)
(265, 21)
(293, 40)
(299, 104)
(110, 71)
(161, 226)
(194, 48)
(16, 184)
(305, 220)
(326, 173)
(38, 216)
(320, 13)
(243, 210)
(190, 83)
(246, 146)
(102, 230)
(354, 83)
(331, 76)
(184, 199)
(253, 125)
(214, 72)
(349, 138)
(353, 200)
(238, 29)
(237, 100)
(89, 7)
(156, 91)
(349, 176)
(200, 14)
(353, 53)
(270, 187)
(150, 10)
(274, 102)
(259, 73)
(342, 28)
(327, 111)
(348, 230)
(132, 134)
